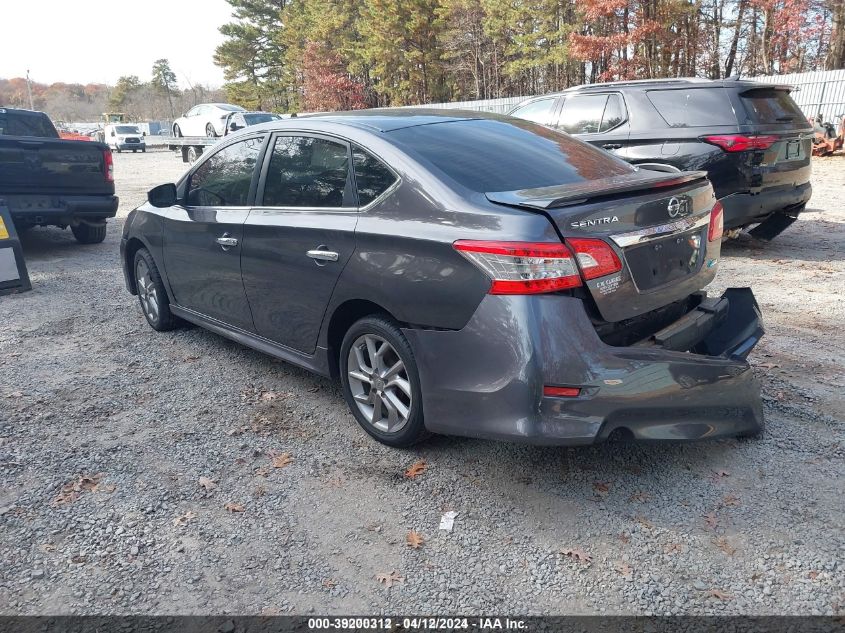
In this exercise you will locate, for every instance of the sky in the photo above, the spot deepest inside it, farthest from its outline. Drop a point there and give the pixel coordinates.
(86, 41)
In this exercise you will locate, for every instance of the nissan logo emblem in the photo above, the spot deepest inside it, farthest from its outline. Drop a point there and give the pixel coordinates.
(675, 207)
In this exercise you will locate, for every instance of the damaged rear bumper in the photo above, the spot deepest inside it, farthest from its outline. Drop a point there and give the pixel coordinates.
(487, 379)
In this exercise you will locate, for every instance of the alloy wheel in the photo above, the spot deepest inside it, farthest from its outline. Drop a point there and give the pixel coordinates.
(378, 380)
(147, 292)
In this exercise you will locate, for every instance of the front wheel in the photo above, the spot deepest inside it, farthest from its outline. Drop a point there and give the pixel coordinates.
(381, 383)
(177, 131)
(151, 292)
(210, 132)
(89, 233)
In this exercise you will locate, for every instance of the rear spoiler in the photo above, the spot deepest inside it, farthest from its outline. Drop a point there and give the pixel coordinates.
(576, 193)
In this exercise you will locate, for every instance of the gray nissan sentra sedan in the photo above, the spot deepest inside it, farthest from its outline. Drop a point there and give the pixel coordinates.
(460, 273)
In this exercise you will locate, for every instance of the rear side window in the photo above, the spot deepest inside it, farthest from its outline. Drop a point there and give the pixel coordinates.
(306, 171)
(693, 107)
(505, 155)
(539, 111)
(582, 114)
(372, 177)
(767, 105)
(614, 113)
(224, 179)
(26, 124)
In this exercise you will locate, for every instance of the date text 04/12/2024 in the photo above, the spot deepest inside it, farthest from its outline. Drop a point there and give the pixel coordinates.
(420, 623)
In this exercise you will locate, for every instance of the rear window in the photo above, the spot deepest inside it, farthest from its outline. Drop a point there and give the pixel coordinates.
(693, 107)
(491, 155)
(14, 123)
(767, 105)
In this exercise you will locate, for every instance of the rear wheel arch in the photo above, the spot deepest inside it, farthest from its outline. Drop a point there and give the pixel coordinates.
(133, 246)
(343, 317)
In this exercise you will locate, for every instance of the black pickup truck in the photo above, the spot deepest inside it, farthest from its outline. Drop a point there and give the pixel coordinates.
(48, 181)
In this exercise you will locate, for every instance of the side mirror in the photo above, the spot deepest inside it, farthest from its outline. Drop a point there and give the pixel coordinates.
(162, 196)
(112, 133)
(234, 127)
(143, 133)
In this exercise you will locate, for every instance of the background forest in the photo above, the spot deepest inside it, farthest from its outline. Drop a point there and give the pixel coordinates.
(318, 55)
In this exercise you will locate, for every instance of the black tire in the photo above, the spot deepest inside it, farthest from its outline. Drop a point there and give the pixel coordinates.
(413, 429)
(144, 151)
(210, 132)
(118, 150)
(162, 319)
(177, 131)
(89, 233)
(193, 155)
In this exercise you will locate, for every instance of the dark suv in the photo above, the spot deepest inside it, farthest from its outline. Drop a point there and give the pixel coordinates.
(751, 138)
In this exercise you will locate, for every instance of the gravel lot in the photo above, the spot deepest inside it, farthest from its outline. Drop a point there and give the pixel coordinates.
(106, 428)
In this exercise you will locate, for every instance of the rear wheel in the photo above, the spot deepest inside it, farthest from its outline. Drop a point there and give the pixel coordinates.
(151, 292)
(193, 155)
(381, 383)
(89, 233)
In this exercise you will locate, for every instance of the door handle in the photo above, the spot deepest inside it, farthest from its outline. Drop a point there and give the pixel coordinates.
(611, 146)
(226, 241)
(322, 255)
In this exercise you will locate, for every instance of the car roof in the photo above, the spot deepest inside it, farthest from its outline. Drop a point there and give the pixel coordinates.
(388, 119)
(651, 84)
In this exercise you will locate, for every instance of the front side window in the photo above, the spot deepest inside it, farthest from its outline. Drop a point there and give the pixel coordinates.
(372, 177)
(224, 179)
(306, 171)
(539, 111)
(582, 114)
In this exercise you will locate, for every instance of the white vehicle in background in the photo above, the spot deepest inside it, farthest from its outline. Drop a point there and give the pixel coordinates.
(123, 136)
(205, 119)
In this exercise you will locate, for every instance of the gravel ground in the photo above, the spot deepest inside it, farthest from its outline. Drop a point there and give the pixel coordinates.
(106, 429)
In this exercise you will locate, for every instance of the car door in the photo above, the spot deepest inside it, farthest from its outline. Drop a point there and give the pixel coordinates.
(598, 119)
(203, 238)
(194, 122)
(299, 236)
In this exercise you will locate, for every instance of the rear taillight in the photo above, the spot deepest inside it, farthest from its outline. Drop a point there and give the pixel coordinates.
(740, 142)
(108, 165)
(595, 257)
(522, 267)
(717, 222)
(561, 392)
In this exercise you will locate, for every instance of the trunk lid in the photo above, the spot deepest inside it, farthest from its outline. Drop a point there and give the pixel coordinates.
(42, 165)
(656, 222)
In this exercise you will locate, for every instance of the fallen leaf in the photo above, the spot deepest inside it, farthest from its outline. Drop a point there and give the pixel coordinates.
(207, 483)
(812, 575)
(601, 488)
(644, 522)
(768, 365)
(415, 539)
(283, 460)
(49, 547)
(730, 500)
(70, 492)
(184, 519)
(329, 583)
(624, 538)
(416, 469)
(642, 497)
(723, 544)
(234, 507)
(625, 569)
(388, 580)
(673, 548)
(268, 396)
(262, 472)
(578, 555)
(107, 488)
(719, 595)
(711, 520)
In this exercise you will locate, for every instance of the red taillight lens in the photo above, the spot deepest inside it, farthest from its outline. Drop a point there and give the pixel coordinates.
(740, 142)
(595, 257)
(108, 165)
(717, 222)
(522, 267)
(561, 392)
